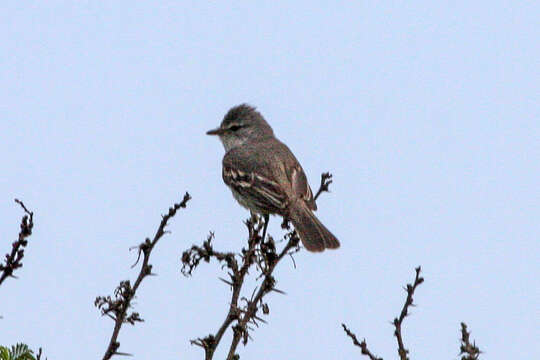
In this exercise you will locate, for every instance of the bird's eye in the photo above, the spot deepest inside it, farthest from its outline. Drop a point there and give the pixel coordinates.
(235, 127)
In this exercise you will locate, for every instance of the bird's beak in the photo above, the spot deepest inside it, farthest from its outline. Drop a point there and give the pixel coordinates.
(216, 131)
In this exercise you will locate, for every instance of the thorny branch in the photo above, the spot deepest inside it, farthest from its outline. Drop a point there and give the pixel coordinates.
(117, 308)
(471, 351)
(242, 311)
(404, 312)
(260, 253)
(39, 354)
(13, 260)
(362, 345)
(397, 323)
(326, 180)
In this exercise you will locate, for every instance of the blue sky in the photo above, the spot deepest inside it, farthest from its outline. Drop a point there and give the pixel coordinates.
(427, 113)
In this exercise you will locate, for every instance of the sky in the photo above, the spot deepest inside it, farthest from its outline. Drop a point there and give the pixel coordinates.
(426, 113)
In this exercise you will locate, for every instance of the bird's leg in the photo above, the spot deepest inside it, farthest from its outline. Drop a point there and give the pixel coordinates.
(266, 219)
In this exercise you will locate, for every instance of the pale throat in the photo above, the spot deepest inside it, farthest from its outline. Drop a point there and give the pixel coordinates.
(230, 142)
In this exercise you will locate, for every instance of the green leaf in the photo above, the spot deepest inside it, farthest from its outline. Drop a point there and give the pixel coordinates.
(4, 353)
(17, 352)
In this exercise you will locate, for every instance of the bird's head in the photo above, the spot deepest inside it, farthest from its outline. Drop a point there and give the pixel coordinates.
(241, 124)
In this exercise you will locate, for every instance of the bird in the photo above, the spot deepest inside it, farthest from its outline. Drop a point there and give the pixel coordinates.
(265, 177)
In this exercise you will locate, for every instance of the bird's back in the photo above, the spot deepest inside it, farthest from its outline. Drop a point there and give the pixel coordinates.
(272, 160)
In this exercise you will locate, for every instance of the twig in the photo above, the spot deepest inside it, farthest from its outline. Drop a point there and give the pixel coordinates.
(361, 344)
(326, 180)
(39, 354)
(397, 322)
(268, 284)
(261, 254)
(13, 260)
(117, 307)
(471, 351)
(404, 312)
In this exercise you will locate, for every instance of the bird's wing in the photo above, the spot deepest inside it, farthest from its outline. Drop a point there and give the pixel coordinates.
(301, 187)
(297, 177)
(251, 175)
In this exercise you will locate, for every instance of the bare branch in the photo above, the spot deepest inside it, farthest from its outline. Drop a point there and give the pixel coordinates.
(326, 180)
(13, 260)
(397, 322)
(40, 354)
(117, 307)
(261, 254)
(268, 284)
(361, 344)
(471, 351)
(404, 312)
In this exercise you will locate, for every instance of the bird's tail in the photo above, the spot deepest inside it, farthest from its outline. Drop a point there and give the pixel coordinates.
(314, 235)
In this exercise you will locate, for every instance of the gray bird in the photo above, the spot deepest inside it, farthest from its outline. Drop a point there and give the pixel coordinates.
(265, 177)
